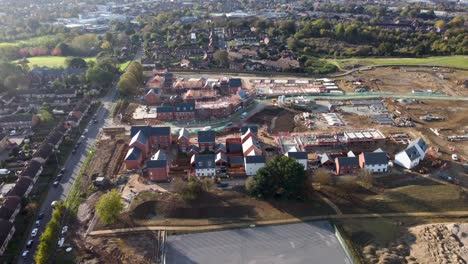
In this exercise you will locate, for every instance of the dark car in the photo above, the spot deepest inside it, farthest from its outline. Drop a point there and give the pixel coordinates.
(59, 177)
(62, 170)
(40, 216)
(56, 183)
(29, 243)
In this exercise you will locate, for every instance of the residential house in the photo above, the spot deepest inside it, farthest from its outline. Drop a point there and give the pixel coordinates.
(184, 111)
(23, 187)
(412, 155)
(141, 141)
(251, 147)
(184, 139)
(299, 156)
(71, 121)
(10, 208)
(18, 121)
(346, 165)
(152, 96)
(236, 161)
(7, 229)
(43, 153)
(192, 150)
(234, 146)
(253, 129)
(221, 160)
(33, 169)
(253, 164)
(326, 160)
(220, 148)
(204, 165)
(235, 85)
(160, 137)
(158, 167)
(374, 161)
(247, 135)
(165, 113)
(133, 158)
(206, 140)
(4, 142)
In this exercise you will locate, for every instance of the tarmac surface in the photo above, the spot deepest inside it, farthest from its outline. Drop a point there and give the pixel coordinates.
(312, 242)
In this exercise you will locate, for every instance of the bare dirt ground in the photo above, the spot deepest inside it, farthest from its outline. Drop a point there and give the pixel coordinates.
(277, 119)
(404, 80)
(429, 243)
(108, 157)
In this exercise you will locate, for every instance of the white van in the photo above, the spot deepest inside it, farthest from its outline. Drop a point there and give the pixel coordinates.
(244, 115)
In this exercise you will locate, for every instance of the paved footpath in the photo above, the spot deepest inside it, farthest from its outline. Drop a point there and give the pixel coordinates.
(273, 222)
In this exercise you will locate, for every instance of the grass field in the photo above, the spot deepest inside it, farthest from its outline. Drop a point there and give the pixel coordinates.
(51, 61)
(450, 61)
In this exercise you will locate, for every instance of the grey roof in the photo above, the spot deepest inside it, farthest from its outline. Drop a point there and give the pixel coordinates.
(235, 82)
(21, 186)
(412, 153)
(375, 158)
(139, 137)
(307, 242)
(185, 107)
(220, 146)
(234, 148)
(184, 132)
(5, 229)
(206, 161)
(254, 159)
(420, 142)
(44, 151)
(160, 155)
(133, 154)
(16, 118)
(253, 129)
(9, 206)
(193, 148)
(206, 136)
(164, 109)
(298, 155)
(236, 160)
(325, 158)
(150, 131)
(156, 164)
(348, 161)
(32, 169)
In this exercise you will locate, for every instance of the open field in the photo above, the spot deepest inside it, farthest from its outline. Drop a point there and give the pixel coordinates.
(450, 61)
(51, 61)
(404, 80)
(217, 206)
(276, 119)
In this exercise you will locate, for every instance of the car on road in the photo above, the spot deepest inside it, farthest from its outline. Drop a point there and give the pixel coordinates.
(62, 170)
(29, 243)
(244, 115)
(454, 157)
(74, 151)
(34, 232)
(25, 254)
(12, 132)
(40, 216)
(37, 223)
(61, 241)
(56, 183)
(85, 131)
(59, 177)
(4, 172)
(53, 203)
(95, 121)
(64, 229)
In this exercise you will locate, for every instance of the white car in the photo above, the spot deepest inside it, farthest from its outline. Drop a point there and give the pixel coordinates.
(13, 132)
(34, 232)
(25, 253)
(61, 241)
(455, 157)
(64, 229)
(4, 172)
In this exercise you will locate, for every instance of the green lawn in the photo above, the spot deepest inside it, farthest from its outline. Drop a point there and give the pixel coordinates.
(451, 61)
(51, 61)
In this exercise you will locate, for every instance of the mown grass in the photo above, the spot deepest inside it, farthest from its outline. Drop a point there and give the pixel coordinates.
(51, 61)
(449, 61)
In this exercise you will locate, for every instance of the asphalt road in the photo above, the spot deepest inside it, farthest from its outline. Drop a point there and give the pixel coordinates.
(72, 168)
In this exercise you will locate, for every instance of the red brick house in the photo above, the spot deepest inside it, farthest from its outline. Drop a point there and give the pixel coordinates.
(236, 161)
(133, 159)
(184, 139)
(165, 113)
(159, 137)
(158, 167)
(346, 165)
(184, 111)
(139, 140)
(221, 159)
(206, 140)
(152, 96)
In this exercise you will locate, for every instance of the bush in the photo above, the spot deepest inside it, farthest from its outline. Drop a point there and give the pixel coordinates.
(109, 207)
(190, 190)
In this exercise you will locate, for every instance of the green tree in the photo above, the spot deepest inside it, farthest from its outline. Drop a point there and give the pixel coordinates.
(49, 236)
(75, 62)
(109, 207)
(85, 44)
(99, 77)
(281, 177)
(221, 58)
(127, 87)
(45, 115)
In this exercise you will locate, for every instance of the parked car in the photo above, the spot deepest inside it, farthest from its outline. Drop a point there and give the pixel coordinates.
(64, 229)
(25, 254)
(62, 170)
(29, 243)
(56, 183)
(12, 132)
(37, 223)
(34, 232)
(61, 241)
(454, 157)
(40, 216)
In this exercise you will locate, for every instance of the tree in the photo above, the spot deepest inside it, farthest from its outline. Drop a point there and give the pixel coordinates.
(281, 177)
(45, 115)
(190, 190)
(366, 178)
(75, 62)
(85, 44)
(439, 24)
(293, 44)
(127, 87)
(99, 77)
(322, 177)
(109, 207)
(221, 58)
